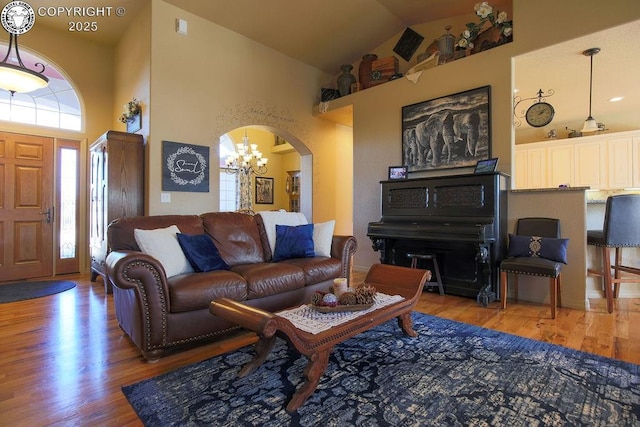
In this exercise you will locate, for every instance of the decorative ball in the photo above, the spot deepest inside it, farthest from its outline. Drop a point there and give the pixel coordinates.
(330, 299)
(348, 298)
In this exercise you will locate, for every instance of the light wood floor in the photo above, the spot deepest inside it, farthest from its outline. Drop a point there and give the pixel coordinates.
(63, 358)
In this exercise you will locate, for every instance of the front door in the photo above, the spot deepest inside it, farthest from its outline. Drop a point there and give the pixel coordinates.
(26, 206)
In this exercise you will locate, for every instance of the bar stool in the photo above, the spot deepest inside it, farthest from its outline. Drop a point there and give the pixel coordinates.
(415, 256)
(621, 230)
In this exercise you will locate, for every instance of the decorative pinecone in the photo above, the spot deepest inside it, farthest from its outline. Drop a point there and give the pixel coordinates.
(348, 298)
(316, 298)
(365, 294)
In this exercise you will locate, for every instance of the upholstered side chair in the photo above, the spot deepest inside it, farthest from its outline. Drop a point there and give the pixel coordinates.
(541, 252)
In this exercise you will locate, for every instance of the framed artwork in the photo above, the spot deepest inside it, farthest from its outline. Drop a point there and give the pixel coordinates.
(408, 43)
(486, 166)
(185, 167)
(452, 131)
(264, 190)
(398, 172)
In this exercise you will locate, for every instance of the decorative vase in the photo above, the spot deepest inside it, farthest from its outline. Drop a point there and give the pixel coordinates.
(445, 45)
(364, 71)
(345, 80)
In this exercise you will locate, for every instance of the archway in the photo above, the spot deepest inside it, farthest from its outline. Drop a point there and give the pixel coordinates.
(292, 155)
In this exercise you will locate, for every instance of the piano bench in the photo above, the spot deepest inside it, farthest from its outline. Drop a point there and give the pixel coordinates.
(415, 256)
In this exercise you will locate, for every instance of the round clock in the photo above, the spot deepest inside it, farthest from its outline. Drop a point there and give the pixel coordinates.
(540, 114)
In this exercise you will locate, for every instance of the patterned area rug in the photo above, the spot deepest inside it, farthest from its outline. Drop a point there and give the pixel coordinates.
(18, 291)
(452, 374)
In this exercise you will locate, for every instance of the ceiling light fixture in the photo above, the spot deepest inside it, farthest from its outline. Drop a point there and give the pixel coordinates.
(247, 159)
(18, 18)
(17, 77)
(590, 125)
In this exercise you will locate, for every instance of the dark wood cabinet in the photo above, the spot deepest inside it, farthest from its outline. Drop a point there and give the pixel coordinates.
(116, 190)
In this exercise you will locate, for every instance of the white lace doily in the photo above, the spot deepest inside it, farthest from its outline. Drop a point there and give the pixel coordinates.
(310, 320)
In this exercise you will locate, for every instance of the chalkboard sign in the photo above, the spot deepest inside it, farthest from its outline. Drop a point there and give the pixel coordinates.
(185, 167)
(408, 43)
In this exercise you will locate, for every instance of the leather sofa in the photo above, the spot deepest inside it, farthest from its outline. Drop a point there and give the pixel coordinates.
(160, 313)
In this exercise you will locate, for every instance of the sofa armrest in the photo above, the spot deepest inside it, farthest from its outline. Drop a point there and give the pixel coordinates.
(141, 297)
(343, 248)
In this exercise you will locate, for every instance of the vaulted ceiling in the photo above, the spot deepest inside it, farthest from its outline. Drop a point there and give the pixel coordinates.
(327, 33)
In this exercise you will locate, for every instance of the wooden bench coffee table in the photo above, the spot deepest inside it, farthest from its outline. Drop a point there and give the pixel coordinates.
(387, 279)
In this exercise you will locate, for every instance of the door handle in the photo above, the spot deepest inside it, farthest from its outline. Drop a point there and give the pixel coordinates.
(49, 214)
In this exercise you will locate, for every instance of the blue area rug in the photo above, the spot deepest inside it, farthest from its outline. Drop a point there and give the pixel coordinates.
(453, 374)
(18, 291)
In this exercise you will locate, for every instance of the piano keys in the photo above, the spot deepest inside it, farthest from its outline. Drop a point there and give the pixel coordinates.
(462, 219)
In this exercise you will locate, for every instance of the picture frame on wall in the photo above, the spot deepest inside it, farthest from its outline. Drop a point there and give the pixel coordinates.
(185, 167)
(453, 131)
(264, 191)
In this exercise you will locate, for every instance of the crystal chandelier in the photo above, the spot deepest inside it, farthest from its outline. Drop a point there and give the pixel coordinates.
(247, 159)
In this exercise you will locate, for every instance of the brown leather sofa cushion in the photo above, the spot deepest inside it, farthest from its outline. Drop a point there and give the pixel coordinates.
(196, 291)
(236, 236)
(120, 231)
(264, 279)
(317, 269)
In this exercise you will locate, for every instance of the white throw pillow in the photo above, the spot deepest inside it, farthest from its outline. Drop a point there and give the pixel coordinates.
(273, 218)
(322, 237)
(162, 244)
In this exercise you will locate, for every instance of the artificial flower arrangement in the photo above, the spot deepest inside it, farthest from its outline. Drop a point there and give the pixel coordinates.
(131, 109)
(486, 13)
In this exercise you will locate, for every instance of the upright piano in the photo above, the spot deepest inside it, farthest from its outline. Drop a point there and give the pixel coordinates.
(461, 219)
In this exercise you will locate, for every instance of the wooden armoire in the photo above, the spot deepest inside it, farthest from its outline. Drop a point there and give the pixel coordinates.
(116, 190)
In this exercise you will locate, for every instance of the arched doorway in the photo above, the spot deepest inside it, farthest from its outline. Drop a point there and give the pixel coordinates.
(286, 156)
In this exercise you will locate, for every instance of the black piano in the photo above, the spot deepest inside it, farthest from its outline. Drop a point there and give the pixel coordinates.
(462, 219)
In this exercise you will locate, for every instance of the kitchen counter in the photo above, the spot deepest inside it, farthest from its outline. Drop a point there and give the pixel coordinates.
(551, 189)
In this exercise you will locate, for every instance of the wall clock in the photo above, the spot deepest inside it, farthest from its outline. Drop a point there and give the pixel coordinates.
(540, 114)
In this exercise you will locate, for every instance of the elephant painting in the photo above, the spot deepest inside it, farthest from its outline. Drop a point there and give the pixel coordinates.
(434, 138)
(409, 146)
(466, 128)
(448, 132)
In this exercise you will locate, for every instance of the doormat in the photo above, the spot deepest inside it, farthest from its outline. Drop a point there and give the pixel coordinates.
(19, 291)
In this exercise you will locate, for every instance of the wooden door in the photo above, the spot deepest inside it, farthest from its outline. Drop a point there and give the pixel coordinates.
(26, 206)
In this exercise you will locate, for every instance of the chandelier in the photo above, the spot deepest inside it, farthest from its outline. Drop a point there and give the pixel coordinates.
(18, 18)
(247, 159)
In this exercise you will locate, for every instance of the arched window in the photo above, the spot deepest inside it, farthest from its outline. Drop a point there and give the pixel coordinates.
(56, 105)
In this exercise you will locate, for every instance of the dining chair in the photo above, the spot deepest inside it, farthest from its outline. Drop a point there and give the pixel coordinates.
(621, 229)
(536, 249)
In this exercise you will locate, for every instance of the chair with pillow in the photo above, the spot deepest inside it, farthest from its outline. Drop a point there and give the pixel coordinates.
(536, 249)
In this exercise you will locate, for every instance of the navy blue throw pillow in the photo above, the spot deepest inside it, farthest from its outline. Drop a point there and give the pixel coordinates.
(294, 242)
(201, 252)
(541, 247)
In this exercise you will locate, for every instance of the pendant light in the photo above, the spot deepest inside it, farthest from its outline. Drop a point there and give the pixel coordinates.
(18, 17)
(590, 125)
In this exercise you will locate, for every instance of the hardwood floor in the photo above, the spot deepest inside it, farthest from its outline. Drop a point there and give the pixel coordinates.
(63, 358)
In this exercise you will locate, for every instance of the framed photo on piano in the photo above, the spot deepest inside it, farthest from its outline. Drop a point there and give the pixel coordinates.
(398, 172)
(453, 131)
